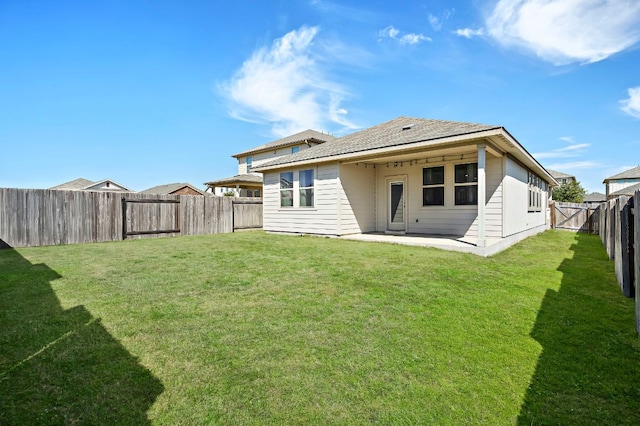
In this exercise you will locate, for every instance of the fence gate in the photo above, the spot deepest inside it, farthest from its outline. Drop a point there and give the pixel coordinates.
(575, 217)
(150, 217)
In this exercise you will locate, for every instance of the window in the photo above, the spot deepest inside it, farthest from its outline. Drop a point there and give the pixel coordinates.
(536, 186)
(305, 179)
(256, 192)
(249, 193)
(295, 149)
(466, 184)
(286, 189)
(433, 186)
(249, 163)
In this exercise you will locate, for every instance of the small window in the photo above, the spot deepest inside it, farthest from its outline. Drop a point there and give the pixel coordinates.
(256, 193)
(286, 189)
(536, 186)
(249, 193)
(433, 186)
(295, 149)
(249, 163)
(305, 179)
(466, 184)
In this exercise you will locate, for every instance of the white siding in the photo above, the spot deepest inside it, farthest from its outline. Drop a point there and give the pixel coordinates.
(614, 186)
(263, 157)
(357, 199)
(322, 218)
(517, 218)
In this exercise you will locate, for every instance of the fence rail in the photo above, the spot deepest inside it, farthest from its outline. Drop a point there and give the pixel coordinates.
(38, 217)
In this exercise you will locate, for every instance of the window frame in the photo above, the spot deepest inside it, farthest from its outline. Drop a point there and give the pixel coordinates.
(295, 149)
(535, 187)
(308, 188)
(286, 188)
(436, 185)
(249, 163)
(465, 184)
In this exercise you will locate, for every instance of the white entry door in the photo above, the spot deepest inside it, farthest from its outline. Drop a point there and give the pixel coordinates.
(397, 206)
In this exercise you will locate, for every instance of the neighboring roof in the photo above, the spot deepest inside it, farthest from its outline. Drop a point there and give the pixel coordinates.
(629, 190)
(304, 136)
(79, 183)
(595, 197)
(169, 188)
(402, 132)
(628, 174)
(559, 175)
(247, 179)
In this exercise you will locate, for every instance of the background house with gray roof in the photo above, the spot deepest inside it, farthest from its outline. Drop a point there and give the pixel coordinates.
(562, 178)
(82, 184)
(174, 189)
(248, 182)
(620, 181)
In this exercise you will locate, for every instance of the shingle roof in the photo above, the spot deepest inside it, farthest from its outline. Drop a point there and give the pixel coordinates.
(629, 190)
(79, 183)
(627, 174)
(559, 175)
(595, 197)
(306, 135)
(168, 188)
(396, 132)
(238, 179)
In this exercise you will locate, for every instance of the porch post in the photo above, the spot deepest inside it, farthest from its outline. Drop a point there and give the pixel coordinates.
(482, 194)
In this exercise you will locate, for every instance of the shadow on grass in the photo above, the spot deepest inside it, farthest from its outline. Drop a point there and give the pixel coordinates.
(589, 368)
(62, 366)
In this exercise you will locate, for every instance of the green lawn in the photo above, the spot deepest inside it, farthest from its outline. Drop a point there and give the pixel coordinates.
(251, 328)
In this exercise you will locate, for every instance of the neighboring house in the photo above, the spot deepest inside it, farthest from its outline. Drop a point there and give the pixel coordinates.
(411, 175)
(81, 184)
(622, 180)
(562, 178)
(627, 190)
(248, 182)
(174, 189)
(595, 198)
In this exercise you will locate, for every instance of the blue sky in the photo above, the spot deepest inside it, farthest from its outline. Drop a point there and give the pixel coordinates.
(154, 92)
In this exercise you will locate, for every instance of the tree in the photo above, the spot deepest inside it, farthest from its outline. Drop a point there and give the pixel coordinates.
(570, 192)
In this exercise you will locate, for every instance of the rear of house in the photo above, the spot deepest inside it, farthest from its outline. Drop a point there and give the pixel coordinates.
(411, 176)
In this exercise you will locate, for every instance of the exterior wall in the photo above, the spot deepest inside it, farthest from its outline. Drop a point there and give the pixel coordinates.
(357, 199)
(322, 218)
(617, 185)
(441, 220)
(263, 157)
(517, 217)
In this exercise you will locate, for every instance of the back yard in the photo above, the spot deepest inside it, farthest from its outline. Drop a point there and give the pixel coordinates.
(251, 328)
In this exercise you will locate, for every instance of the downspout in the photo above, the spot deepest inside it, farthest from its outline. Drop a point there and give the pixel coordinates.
(482, 194)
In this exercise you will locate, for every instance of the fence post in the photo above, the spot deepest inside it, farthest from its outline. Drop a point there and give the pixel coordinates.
(636, 255)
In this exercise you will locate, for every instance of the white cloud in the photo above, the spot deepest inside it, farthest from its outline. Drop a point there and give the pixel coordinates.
(284, 85)
(437, 22)
(573, 150)
(409, 38)
(631, 105)
(566, 31)
(469, 33)
(574, 165)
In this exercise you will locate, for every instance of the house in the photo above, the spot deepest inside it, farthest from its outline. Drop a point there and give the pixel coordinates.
(595, 198)
(411, 176)
(622, 180)
(562, 178)
(629, 191)
(173, 189)
(248, 182)
(82, 184)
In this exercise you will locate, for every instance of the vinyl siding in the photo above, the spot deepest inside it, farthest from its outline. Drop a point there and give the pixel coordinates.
(357, 199)
(319, 219)
(264, 157)
(615, 186)
(517, 218)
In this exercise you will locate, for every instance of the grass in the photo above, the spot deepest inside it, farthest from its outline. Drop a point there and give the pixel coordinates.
(252, 328)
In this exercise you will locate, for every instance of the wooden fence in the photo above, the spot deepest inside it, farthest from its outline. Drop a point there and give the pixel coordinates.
(38, 217)
(620, 235)
(575, 217)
